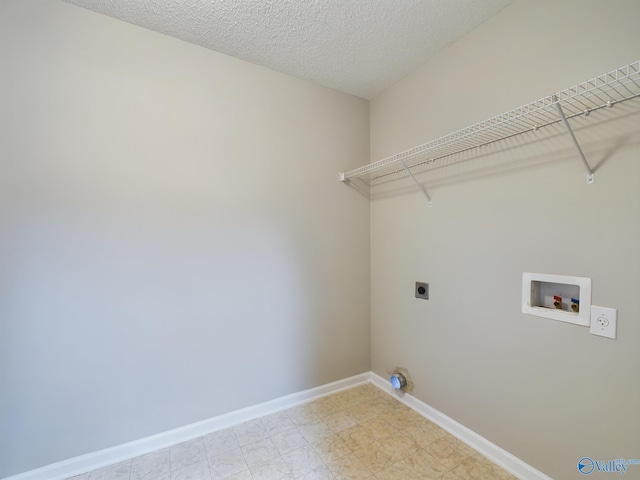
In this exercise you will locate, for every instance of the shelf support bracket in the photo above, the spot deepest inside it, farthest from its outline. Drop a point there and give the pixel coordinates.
(590, 175)
(424, 190)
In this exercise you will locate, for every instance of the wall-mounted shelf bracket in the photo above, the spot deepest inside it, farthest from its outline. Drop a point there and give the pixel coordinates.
(590, 175)
(424, 190)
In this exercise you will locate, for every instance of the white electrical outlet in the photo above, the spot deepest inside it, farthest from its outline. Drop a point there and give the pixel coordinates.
(603, 321)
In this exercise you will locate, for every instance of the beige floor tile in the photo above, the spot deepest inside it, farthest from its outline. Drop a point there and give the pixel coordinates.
(324, 406)
(320, 473)
(374, 456)
(360, 413)
(195, 471)
(461, 446)
(250, 432)
(470, 470)
(396, 471)
(378, 428)
(423, 437)
(381, 405)
(348, 398)
(401, 419)
(424, 466)
(275, 469)
(497, 472)
(302, 460)
(346, 395)
(244, 475)
(288, 441)
(400, 445)
(187, 453)
(302, 414)
(227, 463)
(220, 442)
(403, 408)
(369, 390)
(349, 467)
(355, 436)
(447, 452)
(118, 471)
(259, 452)
(152, 466)
(339, 421)
(419, 419)
(431, 428)
(331, 448)
(347, 403)
(362, 396)
(277, 423)
(315, 431)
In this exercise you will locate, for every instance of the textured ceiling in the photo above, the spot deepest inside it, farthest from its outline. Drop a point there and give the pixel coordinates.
(360, 47)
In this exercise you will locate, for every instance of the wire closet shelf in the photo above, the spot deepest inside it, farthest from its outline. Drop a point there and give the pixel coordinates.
(603, 91)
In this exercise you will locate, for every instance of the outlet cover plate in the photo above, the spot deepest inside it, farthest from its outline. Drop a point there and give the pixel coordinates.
(604, 321)
(422, 290)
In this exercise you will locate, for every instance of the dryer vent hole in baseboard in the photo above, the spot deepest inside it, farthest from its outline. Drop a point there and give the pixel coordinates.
(400, 380)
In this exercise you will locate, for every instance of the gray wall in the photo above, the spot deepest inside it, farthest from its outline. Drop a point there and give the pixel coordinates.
(174, 240)
(546, 391)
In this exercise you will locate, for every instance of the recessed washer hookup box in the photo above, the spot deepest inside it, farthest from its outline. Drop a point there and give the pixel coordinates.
(558, 297)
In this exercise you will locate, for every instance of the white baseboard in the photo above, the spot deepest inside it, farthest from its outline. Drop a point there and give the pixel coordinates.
(119, 453)
(497, 455)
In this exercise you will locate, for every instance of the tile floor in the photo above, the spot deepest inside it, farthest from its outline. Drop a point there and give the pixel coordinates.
(360, 433)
